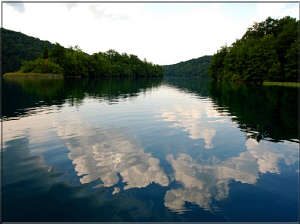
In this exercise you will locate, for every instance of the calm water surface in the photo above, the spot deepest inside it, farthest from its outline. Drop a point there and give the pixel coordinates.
(181, 149)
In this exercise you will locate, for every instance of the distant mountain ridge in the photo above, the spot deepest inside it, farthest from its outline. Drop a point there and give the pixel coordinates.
(18, 47)
(190, 68)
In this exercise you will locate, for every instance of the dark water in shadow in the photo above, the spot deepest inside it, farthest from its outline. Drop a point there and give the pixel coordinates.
(148, 149)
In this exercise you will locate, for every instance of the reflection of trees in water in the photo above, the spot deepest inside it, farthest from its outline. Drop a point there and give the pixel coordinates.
(207, 180)
(112, 155)
(265, 112)
(21, 95)
(195, 85)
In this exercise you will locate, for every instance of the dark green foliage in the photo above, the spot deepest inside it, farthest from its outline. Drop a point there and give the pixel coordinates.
(291, 66)
(58, 54)
(40, 66)
(268, 51)
(72, 61)
(109, 63)
(261, 111)
(193, 67)
(45, 51)
(18, 47)
(216, 68)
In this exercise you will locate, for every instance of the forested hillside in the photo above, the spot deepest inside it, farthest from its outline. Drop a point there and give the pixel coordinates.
(26, 54)
(74, 62)
(17, 46)
(193, 67)
(268, 51)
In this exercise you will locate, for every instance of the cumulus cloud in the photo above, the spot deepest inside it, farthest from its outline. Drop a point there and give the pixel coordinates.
(19, 7)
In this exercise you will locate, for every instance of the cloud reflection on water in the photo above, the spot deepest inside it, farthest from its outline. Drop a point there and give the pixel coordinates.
(205, 180)
(270, 155)
(107, 153)
(112, 155)
(189, 118)
(201, 184)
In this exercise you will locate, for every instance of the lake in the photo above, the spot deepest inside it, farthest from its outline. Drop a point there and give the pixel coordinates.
(149, 149)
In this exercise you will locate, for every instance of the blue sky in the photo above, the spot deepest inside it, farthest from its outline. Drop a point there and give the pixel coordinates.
(164, 33)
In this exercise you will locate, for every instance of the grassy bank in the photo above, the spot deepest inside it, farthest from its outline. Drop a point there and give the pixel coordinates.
(16, 74)
(291, 84)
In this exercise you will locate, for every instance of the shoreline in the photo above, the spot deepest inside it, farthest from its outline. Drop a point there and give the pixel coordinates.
(290, 84)
(32, 75)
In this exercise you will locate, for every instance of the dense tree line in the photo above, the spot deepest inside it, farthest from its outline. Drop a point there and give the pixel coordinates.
(74, 62)
(267, 51)
(193, 67)
(36, 56)
(17, 47)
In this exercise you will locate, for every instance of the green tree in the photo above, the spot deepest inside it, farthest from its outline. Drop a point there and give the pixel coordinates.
(193, 67)
(267, 51)
(69, 62)
(45, 51)
(17, 47)
(291, 66)
(41, 66)
(216, 67)
(58, 54)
